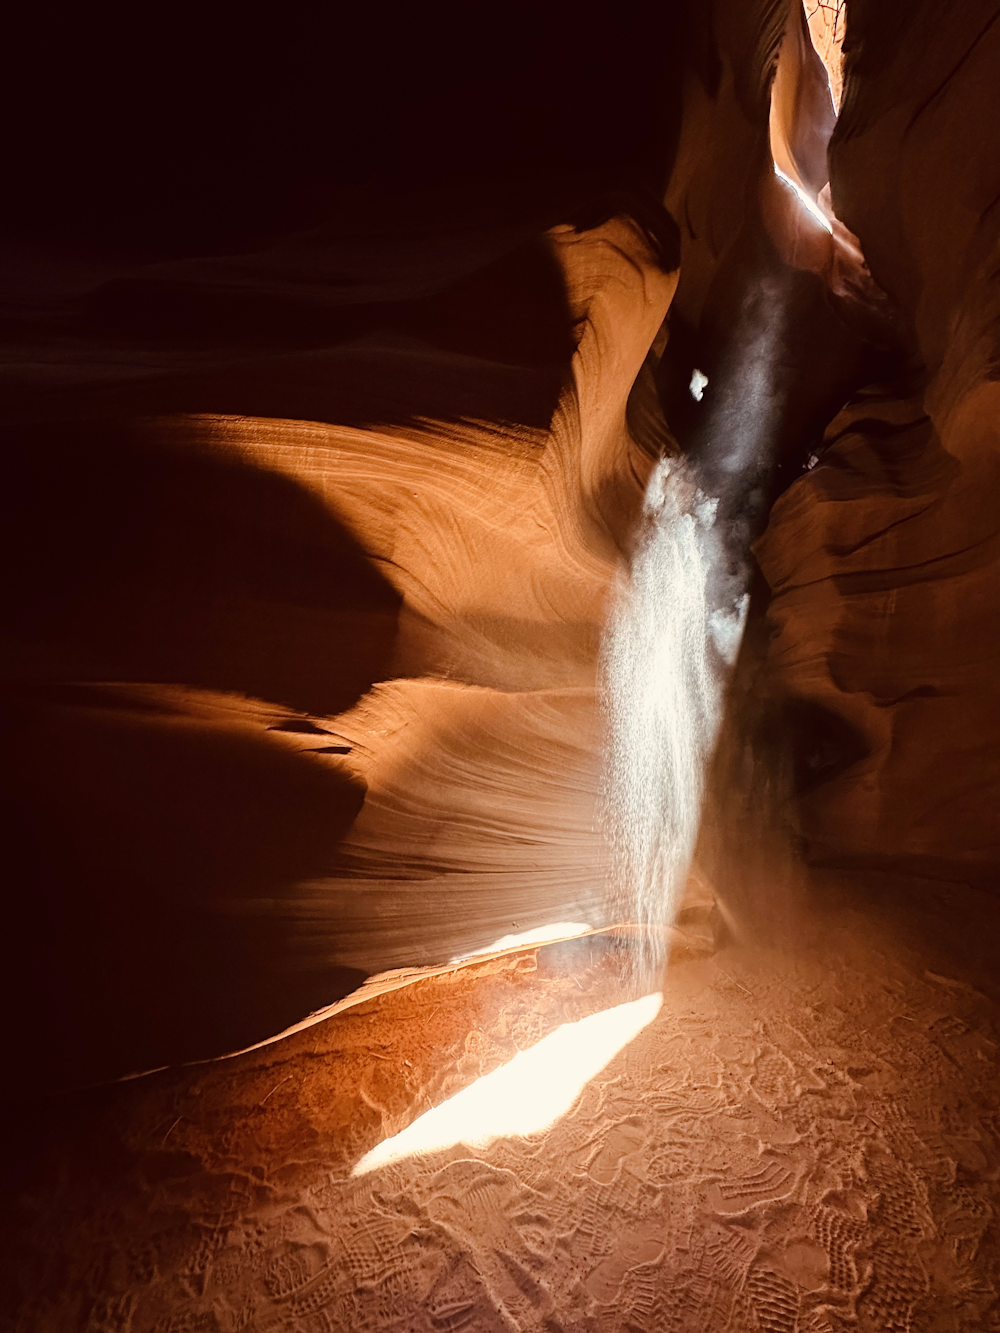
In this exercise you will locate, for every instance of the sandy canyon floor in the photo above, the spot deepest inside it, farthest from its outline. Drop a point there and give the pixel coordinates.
(801, 1141)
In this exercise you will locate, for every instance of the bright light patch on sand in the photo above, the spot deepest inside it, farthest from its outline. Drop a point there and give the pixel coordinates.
(809, 204)
(558, 930)
(528, 1094)
(698, 385)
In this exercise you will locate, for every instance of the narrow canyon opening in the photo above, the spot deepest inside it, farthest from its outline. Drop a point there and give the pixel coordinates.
(500, 671)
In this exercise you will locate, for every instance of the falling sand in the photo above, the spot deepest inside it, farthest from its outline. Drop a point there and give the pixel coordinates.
(667, 655)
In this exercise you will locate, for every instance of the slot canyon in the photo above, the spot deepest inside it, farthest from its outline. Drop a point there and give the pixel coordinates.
(501, 669)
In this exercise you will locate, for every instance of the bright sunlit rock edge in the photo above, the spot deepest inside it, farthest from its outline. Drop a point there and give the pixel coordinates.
(808, 204)
(558, 930)
(528, 1094)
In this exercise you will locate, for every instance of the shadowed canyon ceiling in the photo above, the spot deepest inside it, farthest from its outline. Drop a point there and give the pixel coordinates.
(502, 545)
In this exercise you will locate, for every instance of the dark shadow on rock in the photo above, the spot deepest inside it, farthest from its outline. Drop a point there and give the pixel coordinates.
(145, 564)
(149, 849)
(387, 379)
(814, 742)
(510, 308)
(149, 853)
(494, 345)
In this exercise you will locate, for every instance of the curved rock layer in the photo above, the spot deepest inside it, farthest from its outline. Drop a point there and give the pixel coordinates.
(406, 617)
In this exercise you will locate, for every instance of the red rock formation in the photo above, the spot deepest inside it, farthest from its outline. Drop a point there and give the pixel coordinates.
(882, 559)
(471, 563)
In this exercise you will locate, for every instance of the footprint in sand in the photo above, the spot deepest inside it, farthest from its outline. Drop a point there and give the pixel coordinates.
(634, 1250)
(618, 1143)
